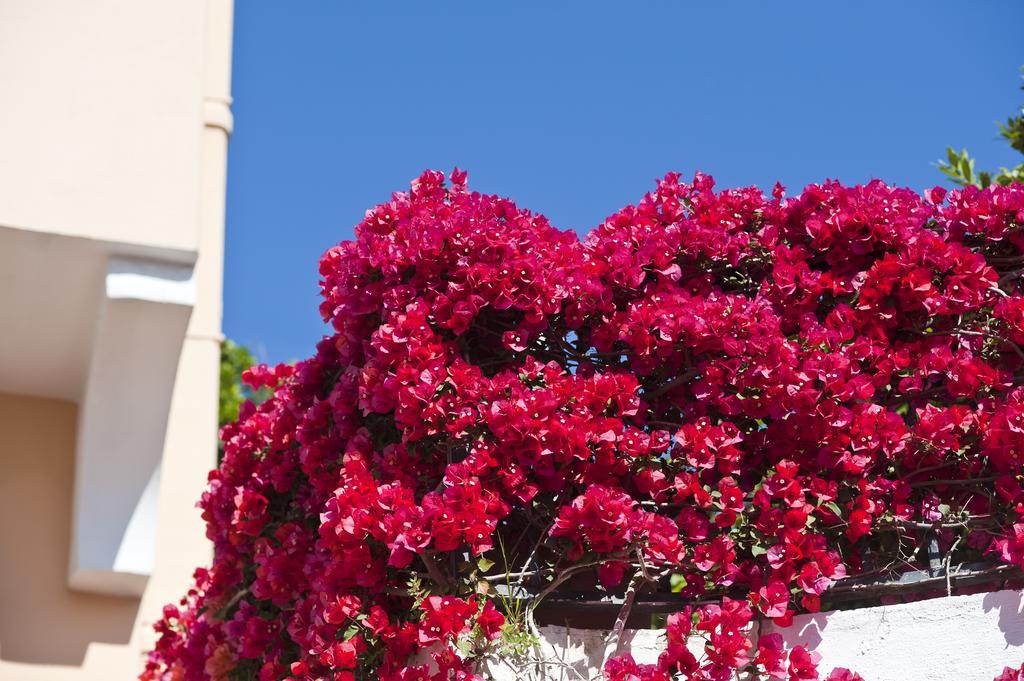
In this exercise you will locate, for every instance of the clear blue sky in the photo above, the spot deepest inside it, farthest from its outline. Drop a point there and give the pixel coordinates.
(573, 109)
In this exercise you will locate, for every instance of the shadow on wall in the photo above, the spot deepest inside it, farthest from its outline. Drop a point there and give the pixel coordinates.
(1011, 619)
(41, 620)
(808, 632)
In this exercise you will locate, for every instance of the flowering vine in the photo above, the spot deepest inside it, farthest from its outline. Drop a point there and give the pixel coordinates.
(745, 396)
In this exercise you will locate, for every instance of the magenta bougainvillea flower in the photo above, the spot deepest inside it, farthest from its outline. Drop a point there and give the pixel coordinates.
(739, 395)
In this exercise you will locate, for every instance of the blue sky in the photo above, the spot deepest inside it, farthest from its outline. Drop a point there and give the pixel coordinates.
(573, 109)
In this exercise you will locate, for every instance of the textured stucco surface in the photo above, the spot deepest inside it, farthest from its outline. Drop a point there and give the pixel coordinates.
(575, 654)
(960, 638)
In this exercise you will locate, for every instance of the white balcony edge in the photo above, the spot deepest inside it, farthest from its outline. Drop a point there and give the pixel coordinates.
(140, 328)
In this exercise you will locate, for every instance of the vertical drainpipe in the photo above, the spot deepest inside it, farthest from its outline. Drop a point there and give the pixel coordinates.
(217, 126)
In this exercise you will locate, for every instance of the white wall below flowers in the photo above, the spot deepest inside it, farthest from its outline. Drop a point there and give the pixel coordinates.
(959, 638)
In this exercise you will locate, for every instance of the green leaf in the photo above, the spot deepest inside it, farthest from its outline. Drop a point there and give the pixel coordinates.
(677, 582)
(967, 167)
(484, 564)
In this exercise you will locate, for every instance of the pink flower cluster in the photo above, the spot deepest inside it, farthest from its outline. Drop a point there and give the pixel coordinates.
(744, 394)
(1010, 674)
(724, 629)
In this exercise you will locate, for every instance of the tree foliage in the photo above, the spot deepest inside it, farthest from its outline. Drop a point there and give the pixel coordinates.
(959, 165)
(235, 359)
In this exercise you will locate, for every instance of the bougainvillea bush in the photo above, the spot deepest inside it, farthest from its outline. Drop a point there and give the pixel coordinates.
(739, 395)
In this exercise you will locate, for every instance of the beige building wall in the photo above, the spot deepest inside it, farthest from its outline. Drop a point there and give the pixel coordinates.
(41, 620)
(113, 131)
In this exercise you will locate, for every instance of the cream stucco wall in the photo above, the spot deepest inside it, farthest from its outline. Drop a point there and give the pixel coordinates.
(114, 133)
(41, 620)
(102, 101)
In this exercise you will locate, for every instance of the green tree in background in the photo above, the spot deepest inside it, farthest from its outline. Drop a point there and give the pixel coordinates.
(234, 359)
(959, 166)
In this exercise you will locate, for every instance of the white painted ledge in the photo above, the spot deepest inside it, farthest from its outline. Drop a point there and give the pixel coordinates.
(140, 328)
(150, 281)
(579, 654)
(959, 638)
